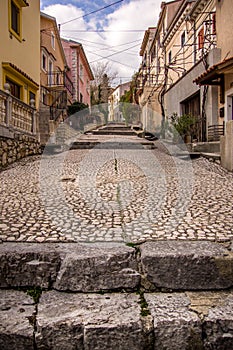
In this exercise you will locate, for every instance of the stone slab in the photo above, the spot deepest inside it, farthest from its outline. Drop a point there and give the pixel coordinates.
(215, 309)
(187, 265)
(175, 326)
(28, 264)
(98, 267)
(218, 322)
(17, 312)
(89, 321)
(69, 266)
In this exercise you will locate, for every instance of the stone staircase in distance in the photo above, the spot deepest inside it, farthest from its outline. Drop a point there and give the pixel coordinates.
(154, 295)
(114, 129)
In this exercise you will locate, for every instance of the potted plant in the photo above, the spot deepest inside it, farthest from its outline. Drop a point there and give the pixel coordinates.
(183, 126)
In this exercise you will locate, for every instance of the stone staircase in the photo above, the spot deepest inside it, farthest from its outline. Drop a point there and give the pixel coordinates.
(114, 130)
(171, 295)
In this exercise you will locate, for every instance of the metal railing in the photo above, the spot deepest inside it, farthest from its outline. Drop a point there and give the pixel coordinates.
(61, 79)
(59, 104)
(215, 132)
(15, 114)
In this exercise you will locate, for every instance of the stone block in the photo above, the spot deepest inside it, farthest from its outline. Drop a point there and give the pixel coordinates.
(89, 321)
(216, 311)
(226, 147)
(187, 265)
(175, 326)
(17, 314)
(23, 265)
(96, 267)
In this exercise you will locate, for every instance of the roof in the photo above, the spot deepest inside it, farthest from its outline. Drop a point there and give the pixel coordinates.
(57, 34)
(146, 38)
(8, 65)
(212, 75)
(73, 43)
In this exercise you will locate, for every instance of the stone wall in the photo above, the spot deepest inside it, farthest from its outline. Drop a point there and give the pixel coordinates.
(226, 147)
(13, 149)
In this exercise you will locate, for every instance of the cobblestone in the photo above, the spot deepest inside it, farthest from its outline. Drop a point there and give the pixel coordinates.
(129, 195)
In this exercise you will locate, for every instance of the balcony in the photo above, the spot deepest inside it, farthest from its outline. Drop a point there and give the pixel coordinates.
(60, 79)
(15, 115)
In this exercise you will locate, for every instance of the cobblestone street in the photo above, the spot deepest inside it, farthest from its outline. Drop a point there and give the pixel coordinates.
(119, 191)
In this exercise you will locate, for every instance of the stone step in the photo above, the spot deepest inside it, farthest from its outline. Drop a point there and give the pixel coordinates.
(76, 267)
(84, 144)
(212, 156)
(112, 145)
(91, 321)
(114, 132)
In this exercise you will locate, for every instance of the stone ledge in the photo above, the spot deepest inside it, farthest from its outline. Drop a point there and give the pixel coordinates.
(187, 320)
(187, 265)
(93, 267)
(70, 267)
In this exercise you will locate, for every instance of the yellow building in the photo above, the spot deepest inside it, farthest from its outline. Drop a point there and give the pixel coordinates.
(20, 48)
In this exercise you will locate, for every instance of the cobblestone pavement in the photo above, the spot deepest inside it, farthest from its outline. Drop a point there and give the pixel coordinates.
(118, 191)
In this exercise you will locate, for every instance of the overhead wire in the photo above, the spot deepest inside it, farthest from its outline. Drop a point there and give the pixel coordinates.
(92, 12)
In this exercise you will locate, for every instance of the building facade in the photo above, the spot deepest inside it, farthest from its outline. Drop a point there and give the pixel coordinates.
(20, 65)
(56, 91)
(80, 72)
(115, 113)
(183, 47)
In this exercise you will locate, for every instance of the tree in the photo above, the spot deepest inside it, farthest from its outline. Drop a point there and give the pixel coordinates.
(101, 85)
(76, 107)
(128, 106)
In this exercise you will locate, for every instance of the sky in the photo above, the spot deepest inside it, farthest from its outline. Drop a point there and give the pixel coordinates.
(109, 30)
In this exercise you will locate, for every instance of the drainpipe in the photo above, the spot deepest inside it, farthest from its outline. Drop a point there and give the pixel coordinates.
(195, 42)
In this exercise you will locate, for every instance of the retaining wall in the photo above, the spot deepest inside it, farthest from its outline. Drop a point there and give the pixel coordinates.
(13, 149)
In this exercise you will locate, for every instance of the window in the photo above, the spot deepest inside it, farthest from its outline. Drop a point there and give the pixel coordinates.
(44, 62)
(14, 88)
(15, 18)
(53, 40)
(182, 39)
(81, 98)
(50, 74)
(214, 23)
(201, 38)
(81, 71)
(32, 96)
(169, 57)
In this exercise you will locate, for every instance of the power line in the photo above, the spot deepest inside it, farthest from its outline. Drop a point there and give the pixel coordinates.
(104, 31)
(102, 57)
(90, 13)
(115, 53)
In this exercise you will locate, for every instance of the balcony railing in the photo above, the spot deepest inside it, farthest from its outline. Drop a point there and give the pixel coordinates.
(16, 115)
(215, 132)
(60, 79)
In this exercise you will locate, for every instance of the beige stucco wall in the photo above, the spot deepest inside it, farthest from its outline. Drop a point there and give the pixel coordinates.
(24, 54)
(56, 54)
(224, 27)
(226, 147)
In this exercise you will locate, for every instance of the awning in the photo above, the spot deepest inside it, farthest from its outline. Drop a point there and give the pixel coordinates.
(214, 75)
(10, 67)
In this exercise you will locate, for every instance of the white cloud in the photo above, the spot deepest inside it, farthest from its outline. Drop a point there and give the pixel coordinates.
(135, 15)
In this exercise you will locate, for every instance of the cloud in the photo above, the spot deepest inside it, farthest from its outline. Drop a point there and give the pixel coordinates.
(120, 27)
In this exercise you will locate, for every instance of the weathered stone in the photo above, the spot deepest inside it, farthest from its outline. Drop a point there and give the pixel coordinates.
(89, 321)
(28, 265)
(187, 265)
(216, 311)
(17, 312)
(218, 325)
(96, 267)
(175, 326)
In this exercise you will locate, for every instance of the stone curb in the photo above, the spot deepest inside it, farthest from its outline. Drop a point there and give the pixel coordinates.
(197, 320)
(77, 267)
